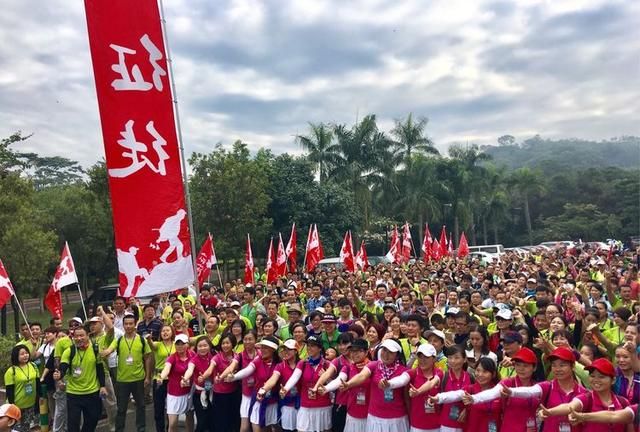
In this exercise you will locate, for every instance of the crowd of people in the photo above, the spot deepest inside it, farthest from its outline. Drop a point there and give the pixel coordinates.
(548, 341)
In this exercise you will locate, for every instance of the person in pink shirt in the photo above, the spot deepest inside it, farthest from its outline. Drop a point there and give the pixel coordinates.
(281, 374)
(314, 414)
(454, 415)
(358, 396)
(601, 398)
(629, 416)
(387, 410)
(481, 417)
(226, 399)
(178, 388)
(519, 415)
(200, 366)
(263, 412)
(561, 390)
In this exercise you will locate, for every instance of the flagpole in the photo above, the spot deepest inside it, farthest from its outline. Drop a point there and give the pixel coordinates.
(415, 251)
(84, 309)
(23, 314)
(183, 162)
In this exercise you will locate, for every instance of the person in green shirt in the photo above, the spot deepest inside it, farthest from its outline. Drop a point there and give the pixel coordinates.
(60, 396)
(135, 367)
(103, 339)
(21, 382)
(162, 350)
(330, 334)
(249, 309)
(84, 369)
(410, 344)
(184, 295)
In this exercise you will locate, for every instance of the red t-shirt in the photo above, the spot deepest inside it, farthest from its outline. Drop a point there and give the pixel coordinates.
(339, 362)
(357, 397)
(178, 369)
(285, 372)
(387, 403)
(591, 403)
(423, 415)
(262, 373)
(484, 416)
(221, 364)
(248, 383)
(310, 376)
(519, 412)
(450, 412)
(201, 364)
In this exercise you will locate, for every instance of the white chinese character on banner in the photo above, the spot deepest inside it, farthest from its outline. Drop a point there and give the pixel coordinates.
(137, 152)
(137, 83)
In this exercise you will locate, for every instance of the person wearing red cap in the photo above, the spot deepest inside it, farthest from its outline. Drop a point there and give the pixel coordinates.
(519, 415)
(601, 398)
(564, 388)
(629, 415)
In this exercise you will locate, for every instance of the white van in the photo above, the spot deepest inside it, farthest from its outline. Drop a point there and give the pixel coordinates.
(496, 249)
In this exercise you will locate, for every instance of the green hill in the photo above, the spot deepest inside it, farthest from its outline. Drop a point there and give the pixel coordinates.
(551, 155)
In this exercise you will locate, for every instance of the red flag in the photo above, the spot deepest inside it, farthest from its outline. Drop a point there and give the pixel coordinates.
(395, 254)
(6, 289)
(450, 246)
(463, 246)
(346, 253)
(426, 244)
(291, 248)
(362, 260)
(206, 259)
(248, 264)
(141, 146)
(435, 250)
(272, 268)
(443, 242)
(281, 259)
(407, 244)
(314, 251)
(65, 275)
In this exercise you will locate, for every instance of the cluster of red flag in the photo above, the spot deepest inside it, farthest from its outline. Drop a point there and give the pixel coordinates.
(434, 249)
(400, 251)
(351, 261)
(276, 261)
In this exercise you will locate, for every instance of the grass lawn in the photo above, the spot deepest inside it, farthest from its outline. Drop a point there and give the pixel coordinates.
(69, 311)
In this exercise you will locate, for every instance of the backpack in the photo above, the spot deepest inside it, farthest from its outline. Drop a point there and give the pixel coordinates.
(142, 341)
(72, 354)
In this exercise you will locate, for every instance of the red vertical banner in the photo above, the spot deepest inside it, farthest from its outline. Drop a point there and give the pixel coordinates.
(141, 146)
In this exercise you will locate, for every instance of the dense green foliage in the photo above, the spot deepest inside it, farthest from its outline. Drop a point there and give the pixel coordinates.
(352, 177)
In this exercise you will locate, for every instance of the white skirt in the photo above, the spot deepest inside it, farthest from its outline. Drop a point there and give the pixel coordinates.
(449, 429)
(355, 424)
(288, 418)
(244, 406)
(177, 405)
(377, 424)
(415, 429)
(314, 419)
(270, 414)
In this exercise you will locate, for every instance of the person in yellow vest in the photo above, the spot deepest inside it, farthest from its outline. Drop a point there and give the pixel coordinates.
(410, 344)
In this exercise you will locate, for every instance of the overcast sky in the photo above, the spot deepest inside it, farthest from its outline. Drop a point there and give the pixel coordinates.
(261, 70)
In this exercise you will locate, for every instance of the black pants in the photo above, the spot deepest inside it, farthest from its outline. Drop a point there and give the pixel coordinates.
(123, 390)
(338, 417)
(226, 411)
(204, 416)
(160, 405)
(85, 407)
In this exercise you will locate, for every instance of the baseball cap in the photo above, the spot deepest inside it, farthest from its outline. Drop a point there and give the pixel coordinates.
(290, 344)
(11, 411)
(532, 280)
(562, 353)
(294, 308)
(235, 304)
(76, 319)
(500, 306)
(391, 345)
(328, 318)
(314, 340)
(505, 314)
(359, 344)
(269, 342)
(525, 355)
(427, 350)
(182, 338)
(603, 366)
(512, 336)
(390, 306)
(438, 333)
(452, 311)
(96, 319)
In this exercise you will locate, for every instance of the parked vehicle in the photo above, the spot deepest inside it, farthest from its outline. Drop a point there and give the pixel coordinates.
(102, 296)
(496, 249)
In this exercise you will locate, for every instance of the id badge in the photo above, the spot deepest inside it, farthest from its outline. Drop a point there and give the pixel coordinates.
(251, 381)
(77, 372)
(388, 395)
(493, 427)
(129, 360)
(361, 399)
(311, 394)
(294, 391)
(28, 389)
(454, 413)
(429, 408)
(564, 427)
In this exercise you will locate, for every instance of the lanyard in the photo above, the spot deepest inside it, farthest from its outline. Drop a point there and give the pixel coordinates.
(167, 351)
(129, 345)
(81, 355)
(28, 371)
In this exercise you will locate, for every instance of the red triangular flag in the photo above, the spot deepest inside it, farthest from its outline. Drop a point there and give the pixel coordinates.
(443, 242)
(407, 244)
(362, 261)
(281, 258)
(205, 260)
(271, 269)
(291, 248)
(450, 246)
(346, 253)
(426, 244)
(314, 252)
(248, 264)
(65, 275)
(6, 289)
(435, 250)
(394, 254)
(463, 246)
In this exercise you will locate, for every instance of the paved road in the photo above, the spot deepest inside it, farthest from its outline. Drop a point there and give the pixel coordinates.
(104, 425)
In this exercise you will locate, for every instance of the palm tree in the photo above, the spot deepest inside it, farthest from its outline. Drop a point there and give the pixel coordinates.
(322, 150)
(528, 184)
(493, 202)
(410, 139)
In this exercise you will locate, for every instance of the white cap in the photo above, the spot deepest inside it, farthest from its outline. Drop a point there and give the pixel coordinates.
(234, 303)
(96, 319)
(391, 345)
(76, 319)
(268, 343)
(501, 306)
(249, 285)
(427, 350)
(504, 314)
(438, 333)
(452, 311)
(290, 344)
(532, 280)
(182, 338)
